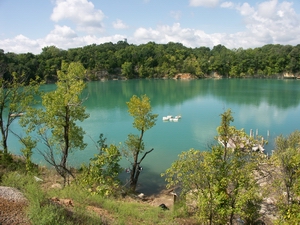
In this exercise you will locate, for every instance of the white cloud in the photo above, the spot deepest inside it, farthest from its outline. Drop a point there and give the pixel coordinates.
(64, 37)
(245, 9)
(119, 24)
(60, 36)
(165, 34)
(143, 34)
(267, 9)
(269, 22)
(20, 44)
(273, 21)
(80, 12)
(280, 13)
(63, 32)
(176, 14)
(227, 5)
(262, 114)
(205, 3)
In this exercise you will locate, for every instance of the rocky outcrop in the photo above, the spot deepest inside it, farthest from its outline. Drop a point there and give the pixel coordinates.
(289, 76)
(184, 76)
(216, 75)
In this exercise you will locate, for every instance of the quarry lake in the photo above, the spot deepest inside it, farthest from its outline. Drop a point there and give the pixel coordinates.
(267, 106)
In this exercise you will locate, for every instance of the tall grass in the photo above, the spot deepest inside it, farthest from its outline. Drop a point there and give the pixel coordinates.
(43, 211)
(138, 213)
(121, 211)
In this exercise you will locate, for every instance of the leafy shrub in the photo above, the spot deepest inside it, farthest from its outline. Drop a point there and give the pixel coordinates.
(101, 176)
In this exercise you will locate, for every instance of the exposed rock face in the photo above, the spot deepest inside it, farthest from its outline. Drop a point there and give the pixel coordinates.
(289, 76)
(184, 76)
(216, 75)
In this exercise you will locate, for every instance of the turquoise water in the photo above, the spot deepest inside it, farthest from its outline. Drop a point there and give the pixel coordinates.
(266, 105)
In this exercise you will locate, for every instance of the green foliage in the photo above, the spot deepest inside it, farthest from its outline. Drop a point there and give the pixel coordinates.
(39, 210)
(57, 123)
(10, 163)
(42, 211)
(287, 157)
(33, 193)
(140, 109)
(16, 179)
(29, 145)
(138, 213)
(15, 98)
(220, 182)
(143, 119)
(50, 61)
(101, 176)
(127, 69)
(119, 210)
(156, 60)
(289, 215)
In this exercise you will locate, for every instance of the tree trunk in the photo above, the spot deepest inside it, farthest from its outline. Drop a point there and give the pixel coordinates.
(65, 151)
(133, 178)
(4, 138)
(135, 172)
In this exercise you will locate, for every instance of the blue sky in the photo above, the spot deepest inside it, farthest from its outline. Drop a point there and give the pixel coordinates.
(30, 25)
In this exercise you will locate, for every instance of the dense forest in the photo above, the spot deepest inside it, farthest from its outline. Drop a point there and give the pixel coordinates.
(151, 60)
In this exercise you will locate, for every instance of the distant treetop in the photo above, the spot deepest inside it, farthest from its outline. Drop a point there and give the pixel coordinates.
(151, 60)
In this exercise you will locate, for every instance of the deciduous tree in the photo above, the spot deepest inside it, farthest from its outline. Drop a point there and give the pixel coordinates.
(127, 69)
(15, 98)
(143, 119)
(287, 157)
(221, 181)
(57, 123)
(101, 175)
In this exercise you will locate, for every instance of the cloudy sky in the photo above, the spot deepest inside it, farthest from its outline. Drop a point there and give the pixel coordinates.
(30, 25)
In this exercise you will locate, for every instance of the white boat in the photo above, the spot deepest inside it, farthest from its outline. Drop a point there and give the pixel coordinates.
(175, 119)
(165, 118)
(171, 118)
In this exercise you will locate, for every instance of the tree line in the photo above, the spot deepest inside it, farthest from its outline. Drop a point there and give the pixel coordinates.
(153, 60)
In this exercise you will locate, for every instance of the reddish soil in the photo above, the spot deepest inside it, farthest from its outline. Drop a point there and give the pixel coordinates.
(12, 212)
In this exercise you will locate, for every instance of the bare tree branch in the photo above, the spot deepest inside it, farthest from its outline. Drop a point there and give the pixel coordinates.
(146, 153)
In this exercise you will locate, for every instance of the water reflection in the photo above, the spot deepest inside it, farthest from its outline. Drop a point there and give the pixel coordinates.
(277, 93)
